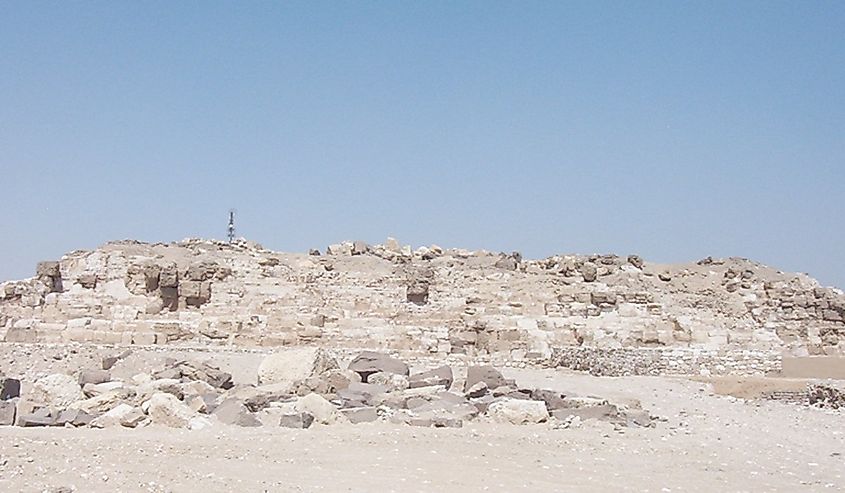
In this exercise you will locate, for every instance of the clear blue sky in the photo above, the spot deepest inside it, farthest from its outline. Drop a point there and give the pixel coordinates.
(674, 130)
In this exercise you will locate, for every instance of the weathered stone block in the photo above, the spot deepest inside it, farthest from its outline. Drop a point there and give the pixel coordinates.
(21, 334)
(144, 338)
(169, 276)
(87, 281)
(589, 272)
(9, 388)
(296, 420)
(170, 298)
(7, 412)
(487, 374)
(234, 412)
(93, 376)
(49, 268)
(417, 292)
(189, 289)
(604, 298)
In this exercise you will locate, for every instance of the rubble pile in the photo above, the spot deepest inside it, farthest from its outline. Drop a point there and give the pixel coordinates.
(298, 388)
(826, 395)
(602, 313)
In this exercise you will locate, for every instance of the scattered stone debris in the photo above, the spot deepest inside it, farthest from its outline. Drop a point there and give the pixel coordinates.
(296, 388)
(826, 395)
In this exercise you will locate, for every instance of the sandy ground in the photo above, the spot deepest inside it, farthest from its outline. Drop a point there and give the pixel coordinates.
(814, 367)
(707, 443)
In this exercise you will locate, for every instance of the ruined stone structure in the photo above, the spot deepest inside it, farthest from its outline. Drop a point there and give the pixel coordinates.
(431, 300)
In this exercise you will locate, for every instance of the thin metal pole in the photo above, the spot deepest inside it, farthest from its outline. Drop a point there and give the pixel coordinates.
(231, 226)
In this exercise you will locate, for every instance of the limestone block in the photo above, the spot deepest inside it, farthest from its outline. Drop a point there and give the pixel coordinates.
(165, 409)
(103, 337)
(169, 276)
(116, 289)
(518, 411)
(293, 366)
(87, 281)
(628, 310)
(189, 289)
(324, 412)
(144, 338)
(77, 335)
(57, 390)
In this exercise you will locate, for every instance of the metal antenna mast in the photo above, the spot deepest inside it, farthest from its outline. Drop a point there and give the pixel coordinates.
(231, 225)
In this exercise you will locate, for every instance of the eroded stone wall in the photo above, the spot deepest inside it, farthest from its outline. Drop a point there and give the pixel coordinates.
(431, 300)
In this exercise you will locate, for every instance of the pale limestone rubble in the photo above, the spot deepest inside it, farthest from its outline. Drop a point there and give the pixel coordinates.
(193, 394)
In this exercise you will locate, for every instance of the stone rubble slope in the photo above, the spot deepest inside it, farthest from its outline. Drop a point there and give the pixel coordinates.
(432, 300)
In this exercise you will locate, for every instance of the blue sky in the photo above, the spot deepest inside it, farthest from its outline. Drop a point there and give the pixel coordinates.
(674, 130)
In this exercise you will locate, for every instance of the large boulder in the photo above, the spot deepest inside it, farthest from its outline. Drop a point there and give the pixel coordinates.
(291, 367)
(165, 409)
(73, 417)
(93, 376)
(438, 376)
(235, 412)
(39, 417)
(487, 374)
(103, 402)
(369, 362)
(518, 411)
(122, 415)
(324, 412)
(337, 380)
(57, 390)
